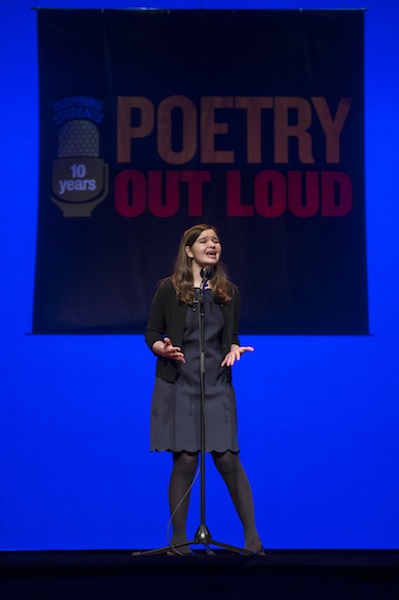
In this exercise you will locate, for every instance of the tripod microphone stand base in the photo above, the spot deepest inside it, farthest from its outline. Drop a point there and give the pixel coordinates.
(202, 538)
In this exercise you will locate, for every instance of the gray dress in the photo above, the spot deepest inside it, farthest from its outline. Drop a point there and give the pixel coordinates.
(175, 412)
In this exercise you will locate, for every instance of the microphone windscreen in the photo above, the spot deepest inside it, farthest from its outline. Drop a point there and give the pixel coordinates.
(78, 138)
(207, 273)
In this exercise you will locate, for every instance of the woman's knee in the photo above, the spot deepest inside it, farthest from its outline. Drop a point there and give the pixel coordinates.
(185, 461)
(226, 462)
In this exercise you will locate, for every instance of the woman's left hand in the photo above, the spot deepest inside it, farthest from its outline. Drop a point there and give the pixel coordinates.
(235, 354)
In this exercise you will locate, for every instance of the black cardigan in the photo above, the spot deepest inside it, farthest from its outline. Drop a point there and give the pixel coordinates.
(167, 318)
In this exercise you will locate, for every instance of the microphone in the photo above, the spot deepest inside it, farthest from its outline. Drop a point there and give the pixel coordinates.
(207, 273)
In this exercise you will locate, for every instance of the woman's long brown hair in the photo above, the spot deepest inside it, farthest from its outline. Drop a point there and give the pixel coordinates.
(183, 279)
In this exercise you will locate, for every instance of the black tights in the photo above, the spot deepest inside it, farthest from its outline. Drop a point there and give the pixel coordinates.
(229, 466)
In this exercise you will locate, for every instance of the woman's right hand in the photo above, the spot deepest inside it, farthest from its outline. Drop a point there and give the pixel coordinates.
(166, 349)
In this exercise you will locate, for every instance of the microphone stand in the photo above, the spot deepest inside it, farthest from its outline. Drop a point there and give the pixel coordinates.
(202, 536)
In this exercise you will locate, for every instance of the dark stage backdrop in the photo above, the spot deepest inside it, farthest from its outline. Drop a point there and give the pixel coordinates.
(152, 121)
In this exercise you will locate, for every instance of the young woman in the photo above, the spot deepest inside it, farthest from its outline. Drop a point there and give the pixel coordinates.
(172, 334)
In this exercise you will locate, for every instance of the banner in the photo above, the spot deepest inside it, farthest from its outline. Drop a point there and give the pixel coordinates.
(152, 121)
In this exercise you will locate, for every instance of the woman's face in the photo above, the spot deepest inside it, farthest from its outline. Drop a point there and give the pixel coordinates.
(206, 249)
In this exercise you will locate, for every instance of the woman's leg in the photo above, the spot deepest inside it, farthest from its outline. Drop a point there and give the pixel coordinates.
(232, 471)
(184, 466)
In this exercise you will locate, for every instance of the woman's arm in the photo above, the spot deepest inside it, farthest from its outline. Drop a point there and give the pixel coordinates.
(155, 337)
(156, 324)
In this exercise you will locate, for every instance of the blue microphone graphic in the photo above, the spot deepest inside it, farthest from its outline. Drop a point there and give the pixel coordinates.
(80, 176)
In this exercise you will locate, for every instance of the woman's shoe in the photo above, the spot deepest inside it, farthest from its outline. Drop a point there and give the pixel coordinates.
(183, 551)
(256, 548)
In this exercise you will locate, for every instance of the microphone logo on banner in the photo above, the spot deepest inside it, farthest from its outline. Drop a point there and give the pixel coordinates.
(80, 178)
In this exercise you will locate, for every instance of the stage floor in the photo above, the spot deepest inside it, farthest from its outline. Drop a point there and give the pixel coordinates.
(279, 575)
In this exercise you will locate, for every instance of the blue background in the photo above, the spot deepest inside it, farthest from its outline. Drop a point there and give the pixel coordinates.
(318, 416)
